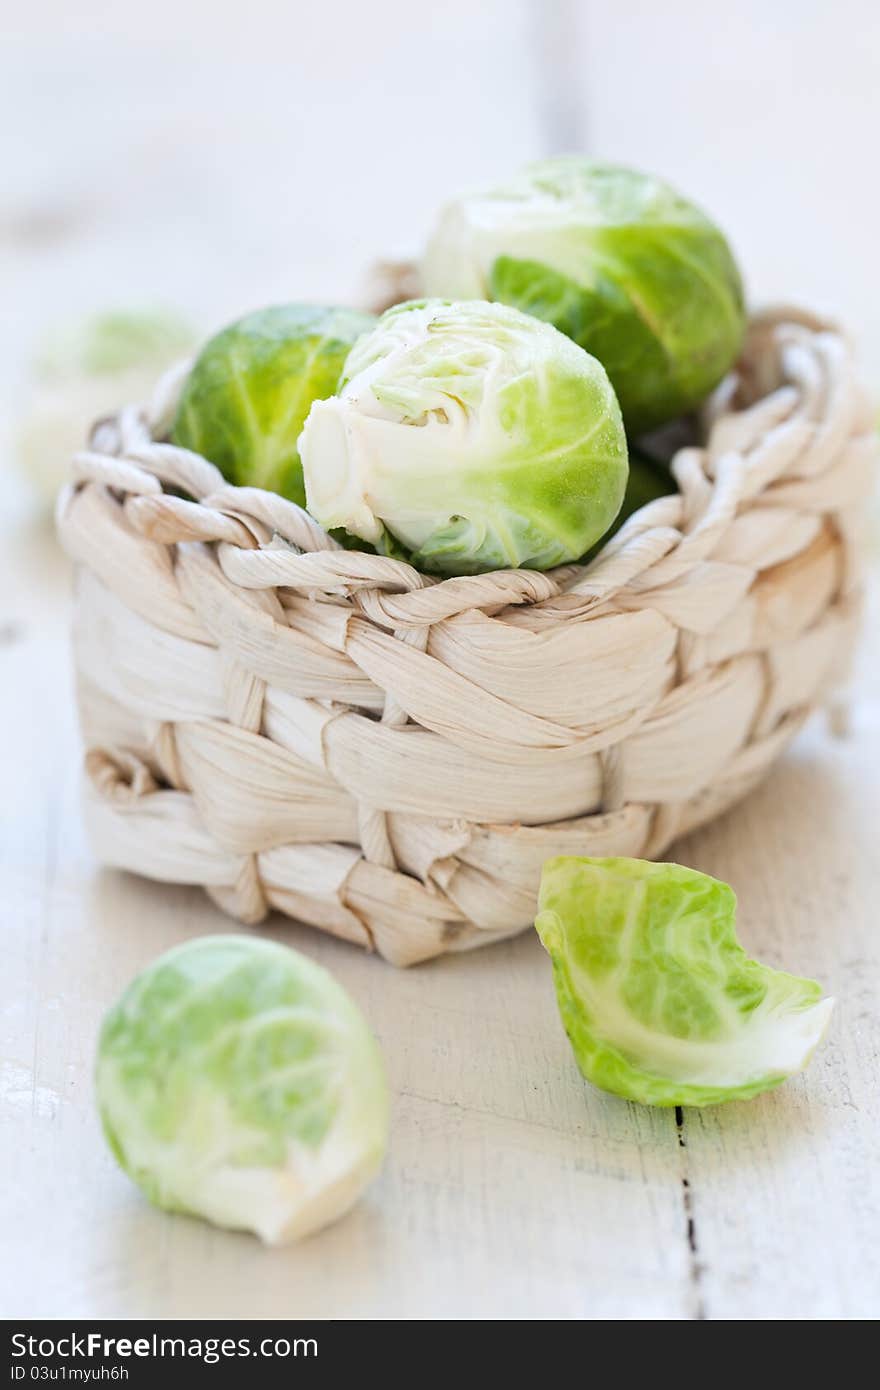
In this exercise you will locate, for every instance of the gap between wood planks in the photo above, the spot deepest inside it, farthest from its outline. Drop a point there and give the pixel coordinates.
(695, 1267)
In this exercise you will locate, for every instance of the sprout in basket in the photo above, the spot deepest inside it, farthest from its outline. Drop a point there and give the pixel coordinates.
(660, 1002)
(618, 260)
(244, 403)
(237, 1081)
(473, 435)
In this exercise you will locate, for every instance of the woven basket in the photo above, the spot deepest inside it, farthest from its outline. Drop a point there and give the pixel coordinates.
(392, 758)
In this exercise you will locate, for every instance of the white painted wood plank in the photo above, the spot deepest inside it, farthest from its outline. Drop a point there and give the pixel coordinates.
(786, 1191)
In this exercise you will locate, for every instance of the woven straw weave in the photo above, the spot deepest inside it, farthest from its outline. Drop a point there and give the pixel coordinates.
(392, 758)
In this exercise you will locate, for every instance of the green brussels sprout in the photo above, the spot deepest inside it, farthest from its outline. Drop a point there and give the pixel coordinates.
(473, 435)
(660, 1002)
(237, 1081)
(618, 260)
(245, 400)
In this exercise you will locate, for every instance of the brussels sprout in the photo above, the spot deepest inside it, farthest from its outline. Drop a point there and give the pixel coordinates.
(475, 436)
(660, 1002)
(245, 401)
(86, 370)
(237, 1081)
(616, 259)
(114, 342)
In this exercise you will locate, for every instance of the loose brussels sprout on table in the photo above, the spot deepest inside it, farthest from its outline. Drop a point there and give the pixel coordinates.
(244, 403)
(660, 1002)
(237, 1081)
(473, 435)
(616, 259)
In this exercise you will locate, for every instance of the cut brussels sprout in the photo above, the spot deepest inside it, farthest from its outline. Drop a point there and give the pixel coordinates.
(660, 1002)
(475, 436)
(237, 1081)
(618, 260)
(251, 388)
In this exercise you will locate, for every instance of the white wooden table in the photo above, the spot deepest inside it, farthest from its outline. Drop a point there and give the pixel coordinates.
(512, 1189)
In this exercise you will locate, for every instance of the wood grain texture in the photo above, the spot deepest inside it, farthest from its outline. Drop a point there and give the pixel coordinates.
(512, 1189)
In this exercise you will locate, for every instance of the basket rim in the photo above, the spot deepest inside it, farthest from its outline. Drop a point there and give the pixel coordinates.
(790, 385)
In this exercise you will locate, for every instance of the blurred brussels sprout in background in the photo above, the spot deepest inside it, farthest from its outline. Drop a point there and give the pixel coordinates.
(616, 259)
(660, 1002)
(84, 371)
(474, 435)
(237, 1081)
(245, 401)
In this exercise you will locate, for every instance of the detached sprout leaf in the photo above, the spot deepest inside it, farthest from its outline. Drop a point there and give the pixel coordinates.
(470, 435)
(237, 1081)
(660, 1002)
